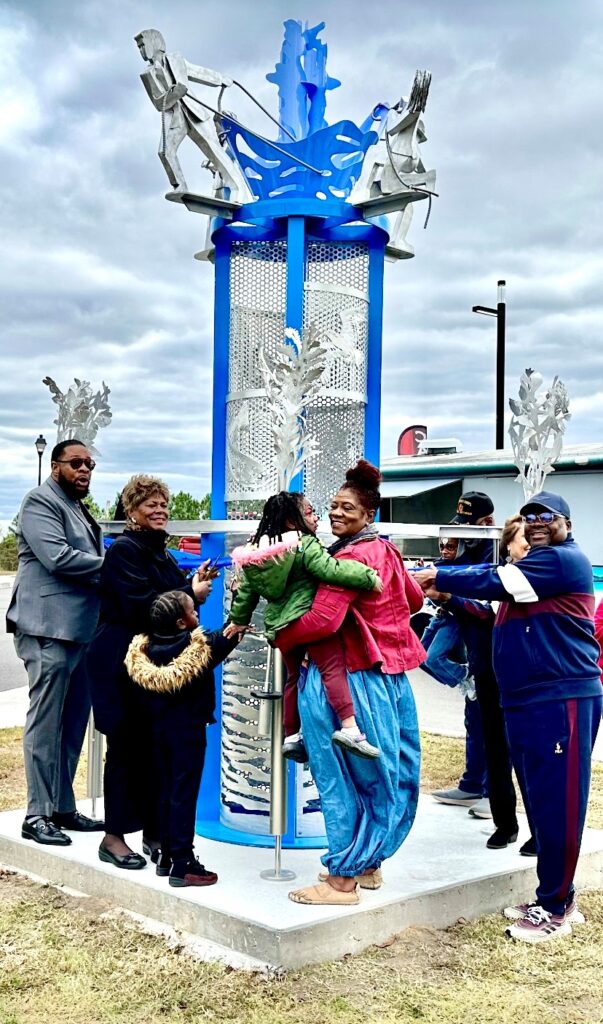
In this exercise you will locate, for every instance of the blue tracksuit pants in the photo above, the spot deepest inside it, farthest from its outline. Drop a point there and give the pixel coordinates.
(551, 746)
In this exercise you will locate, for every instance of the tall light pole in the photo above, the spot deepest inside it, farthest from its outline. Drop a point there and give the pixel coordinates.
(40, 444)
(500, 313)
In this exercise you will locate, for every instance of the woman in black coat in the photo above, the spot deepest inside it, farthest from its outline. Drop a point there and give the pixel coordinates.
(137, 569)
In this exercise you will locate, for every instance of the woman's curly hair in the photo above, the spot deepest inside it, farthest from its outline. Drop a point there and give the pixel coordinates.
(139, 488)
(364, 480)
(510, 529)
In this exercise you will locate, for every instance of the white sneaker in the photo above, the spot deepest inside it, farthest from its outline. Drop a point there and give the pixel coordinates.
(539, 925)
(572, 914)
(481, 809)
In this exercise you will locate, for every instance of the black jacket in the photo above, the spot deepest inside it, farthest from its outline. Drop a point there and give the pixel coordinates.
(137, 569)
(176, 674)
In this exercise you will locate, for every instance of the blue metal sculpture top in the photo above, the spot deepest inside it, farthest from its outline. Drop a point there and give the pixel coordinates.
(376, 166)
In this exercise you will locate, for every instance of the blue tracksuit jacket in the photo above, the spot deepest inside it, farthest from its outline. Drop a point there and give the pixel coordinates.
(544, 645)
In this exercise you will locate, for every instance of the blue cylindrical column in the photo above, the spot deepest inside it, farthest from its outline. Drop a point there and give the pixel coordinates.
(308, 267)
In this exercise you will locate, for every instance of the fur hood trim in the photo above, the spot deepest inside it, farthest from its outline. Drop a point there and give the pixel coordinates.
(267, 548)
(188, 665)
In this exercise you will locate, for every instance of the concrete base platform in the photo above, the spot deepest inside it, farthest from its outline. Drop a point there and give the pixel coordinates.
(442, 872)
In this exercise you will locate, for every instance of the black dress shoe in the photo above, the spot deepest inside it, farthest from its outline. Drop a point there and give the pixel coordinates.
(129, 861)
(529, 848)
(499, 839)
(44, 831)
(77, 822)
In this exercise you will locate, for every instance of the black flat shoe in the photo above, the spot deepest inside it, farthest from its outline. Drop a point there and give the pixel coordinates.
(75, 821)
(499, 839)
(129, 861)
(44, 831)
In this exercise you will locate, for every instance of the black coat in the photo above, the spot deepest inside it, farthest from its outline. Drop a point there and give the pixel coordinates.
(136, 570)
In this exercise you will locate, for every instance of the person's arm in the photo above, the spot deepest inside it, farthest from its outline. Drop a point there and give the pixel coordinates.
(414, 594)
(42, 527)
(244, 603)
(325, 617)
(465, 609)
(539, 575)
(345, 572)
(220, 646)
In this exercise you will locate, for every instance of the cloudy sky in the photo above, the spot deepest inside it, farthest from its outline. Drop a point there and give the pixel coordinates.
(98, 278)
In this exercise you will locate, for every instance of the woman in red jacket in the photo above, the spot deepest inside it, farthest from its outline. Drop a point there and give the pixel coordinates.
(368, 806)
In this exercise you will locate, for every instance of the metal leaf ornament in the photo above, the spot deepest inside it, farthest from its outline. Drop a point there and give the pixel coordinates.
(291, 380)
(537, 428)
(81, 413)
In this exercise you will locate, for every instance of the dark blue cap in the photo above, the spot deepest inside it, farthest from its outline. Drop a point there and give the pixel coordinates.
(548, 502)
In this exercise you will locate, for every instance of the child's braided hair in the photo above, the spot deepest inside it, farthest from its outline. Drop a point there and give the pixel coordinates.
(166, 610)
(282, 512)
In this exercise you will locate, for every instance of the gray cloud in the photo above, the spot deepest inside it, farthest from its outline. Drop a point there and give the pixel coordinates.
(98, 277)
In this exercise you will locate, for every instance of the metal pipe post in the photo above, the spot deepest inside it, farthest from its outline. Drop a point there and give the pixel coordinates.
(501, 311)
(278, 778)
(94, 783)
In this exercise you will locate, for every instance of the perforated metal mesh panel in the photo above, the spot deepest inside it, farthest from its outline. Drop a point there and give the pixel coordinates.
(336, 299)
(258, 290)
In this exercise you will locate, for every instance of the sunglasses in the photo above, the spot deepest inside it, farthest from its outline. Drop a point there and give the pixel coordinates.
(542, 517)
(78, 463)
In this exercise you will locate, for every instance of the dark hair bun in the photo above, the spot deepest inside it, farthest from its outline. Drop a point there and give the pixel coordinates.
(364, 476)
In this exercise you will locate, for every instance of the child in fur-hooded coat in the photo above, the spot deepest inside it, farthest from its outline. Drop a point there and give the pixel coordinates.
(174, 666)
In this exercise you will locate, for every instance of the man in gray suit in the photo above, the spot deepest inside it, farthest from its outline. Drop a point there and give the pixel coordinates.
(53, 613)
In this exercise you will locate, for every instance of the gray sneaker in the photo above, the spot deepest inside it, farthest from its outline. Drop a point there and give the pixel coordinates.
(457, 796)
(355, 743)
(481, 809)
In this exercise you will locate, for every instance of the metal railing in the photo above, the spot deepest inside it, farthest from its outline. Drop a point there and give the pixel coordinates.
(270, 698)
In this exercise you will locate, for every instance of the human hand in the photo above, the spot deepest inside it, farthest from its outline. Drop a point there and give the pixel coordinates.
(436, 595)
(207, 570)
(378, 588)
(425, 578)
(201, 589)
(234, 629)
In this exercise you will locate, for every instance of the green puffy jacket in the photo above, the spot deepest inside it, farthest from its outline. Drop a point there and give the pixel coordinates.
(290, 580)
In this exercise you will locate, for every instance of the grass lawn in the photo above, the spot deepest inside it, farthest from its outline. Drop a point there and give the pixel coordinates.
(64, 961)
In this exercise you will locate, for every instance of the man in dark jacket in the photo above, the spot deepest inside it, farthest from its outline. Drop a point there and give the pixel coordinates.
(545, 658)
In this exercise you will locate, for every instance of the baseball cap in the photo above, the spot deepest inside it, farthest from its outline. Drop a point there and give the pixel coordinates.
(548, 502)
(473, 505)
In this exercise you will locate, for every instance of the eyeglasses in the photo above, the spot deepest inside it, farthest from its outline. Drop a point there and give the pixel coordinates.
(542, 517)
(78, 463)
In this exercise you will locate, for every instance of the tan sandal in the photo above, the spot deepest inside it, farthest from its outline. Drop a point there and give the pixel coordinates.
(324, 894)
(374, 880)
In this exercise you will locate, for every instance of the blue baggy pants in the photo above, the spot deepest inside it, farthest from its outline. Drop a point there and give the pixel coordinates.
(368, 805)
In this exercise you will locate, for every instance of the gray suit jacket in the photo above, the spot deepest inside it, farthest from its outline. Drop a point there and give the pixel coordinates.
(56, 592)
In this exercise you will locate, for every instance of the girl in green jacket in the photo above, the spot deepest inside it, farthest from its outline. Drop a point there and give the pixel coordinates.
(284, 564)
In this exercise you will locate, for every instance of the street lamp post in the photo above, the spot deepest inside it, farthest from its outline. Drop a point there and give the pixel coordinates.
(40, 444)
(500, 313)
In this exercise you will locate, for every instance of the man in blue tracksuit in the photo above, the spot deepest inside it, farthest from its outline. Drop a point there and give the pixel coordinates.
(545, 657)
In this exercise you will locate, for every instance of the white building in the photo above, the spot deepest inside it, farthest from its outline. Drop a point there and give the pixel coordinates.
(426, 489)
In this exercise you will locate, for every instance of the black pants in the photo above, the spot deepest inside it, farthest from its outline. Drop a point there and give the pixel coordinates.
(130, 780)
(179, 743)
(503, 800)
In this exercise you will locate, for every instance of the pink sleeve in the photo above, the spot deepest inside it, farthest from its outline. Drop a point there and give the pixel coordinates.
(414, 594)
(324, 618)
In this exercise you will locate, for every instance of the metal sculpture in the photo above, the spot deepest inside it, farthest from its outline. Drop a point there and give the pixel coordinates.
(298, 234)
(81, 412)
(537, 429)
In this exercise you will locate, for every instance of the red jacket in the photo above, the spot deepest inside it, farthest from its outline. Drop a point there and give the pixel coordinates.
(375, 628)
